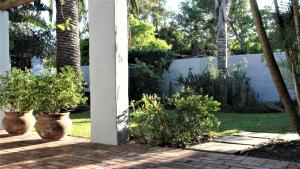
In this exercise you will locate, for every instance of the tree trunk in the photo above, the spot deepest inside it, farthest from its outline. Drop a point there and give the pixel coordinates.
(222, 11)
(296, 19)
(288, 52)
(68, 41)
(273, 67)
(296, 71)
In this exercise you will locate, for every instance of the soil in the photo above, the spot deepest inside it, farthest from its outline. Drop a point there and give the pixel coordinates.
(276, 150)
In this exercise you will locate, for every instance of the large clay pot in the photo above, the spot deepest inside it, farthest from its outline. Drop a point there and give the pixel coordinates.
(53, 126)
(16, 123)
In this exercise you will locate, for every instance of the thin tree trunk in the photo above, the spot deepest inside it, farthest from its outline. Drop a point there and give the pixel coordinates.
(288, 52)
(296, 19)
(68, 41)
(222, 10)
(297, 25)
(273, 67)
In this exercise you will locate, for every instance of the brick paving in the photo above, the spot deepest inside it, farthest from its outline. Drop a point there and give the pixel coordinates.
(19, 152)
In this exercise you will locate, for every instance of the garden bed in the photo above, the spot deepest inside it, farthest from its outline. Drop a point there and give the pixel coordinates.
(276, 150)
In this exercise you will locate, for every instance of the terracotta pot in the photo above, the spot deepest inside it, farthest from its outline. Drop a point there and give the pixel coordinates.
(16, 123)
(53, 126)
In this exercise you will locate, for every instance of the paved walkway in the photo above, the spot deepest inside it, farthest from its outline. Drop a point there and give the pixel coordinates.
(242, 141)
(18, 152)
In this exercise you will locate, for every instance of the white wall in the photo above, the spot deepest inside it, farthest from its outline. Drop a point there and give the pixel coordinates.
(257, 71)
(4, 48)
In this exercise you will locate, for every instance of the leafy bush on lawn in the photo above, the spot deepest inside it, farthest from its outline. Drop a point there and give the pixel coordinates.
(189, 123)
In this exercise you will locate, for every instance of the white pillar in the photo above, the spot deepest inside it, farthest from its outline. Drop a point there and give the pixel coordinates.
(4, 48)
(109, 71)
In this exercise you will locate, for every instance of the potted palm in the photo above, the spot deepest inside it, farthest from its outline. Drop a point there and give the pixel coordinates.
(17, 101)
(56, 95)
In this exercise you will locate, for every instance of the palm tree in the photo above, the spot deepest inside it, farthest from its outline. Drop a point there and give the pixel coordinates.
(285, 28)
(222, 11)
(68, 40)
(273, 67)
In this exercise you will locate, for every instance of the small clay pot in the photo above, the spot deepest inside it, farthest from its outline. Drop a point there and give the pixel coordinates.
(53, 126)
(16, 123)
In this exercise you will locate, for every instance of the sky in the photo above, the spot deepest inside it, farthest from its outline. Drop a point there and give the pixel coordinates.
(174, 4)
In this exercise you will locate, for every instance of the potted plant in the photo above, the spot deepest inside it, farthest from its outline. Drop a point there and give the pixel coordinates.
(17, 101)
(56, 95)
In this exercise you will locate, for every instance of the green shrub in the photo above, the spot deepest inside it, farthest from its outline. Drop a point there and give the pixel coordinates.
(157, 58)
(239, 92)
(56, 93)
(146, 71)
(189, 123)
(84, 51)
(143, 36)
(143, 80)
(17, 91)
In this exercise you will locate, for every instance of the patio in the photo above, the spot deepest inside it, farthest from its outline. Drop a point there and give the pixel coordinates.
(31, 152)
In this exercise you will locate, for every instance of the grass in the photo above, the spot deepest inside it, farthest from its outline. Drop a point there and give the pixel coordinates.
(230, 123)
(81, 125)
(272, 123)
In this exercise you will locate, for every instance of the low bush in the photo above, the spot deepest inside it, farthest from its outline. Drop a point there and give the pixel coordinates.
(190, 122)
(240, 96)
(17, 91)
(59, 92)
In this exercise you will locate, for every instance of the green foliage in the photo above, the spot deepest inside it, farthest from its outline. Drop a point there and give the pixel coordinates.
(17, 91)
(84, 51)
(30, 35)
(196, 19)
(26, 41)
(173, 35)
(240, 96)
(159, 60)
(189, 123)
(59, 92)
(143, 36)
(243, 38)
(151, 10)
(146, 70)
(143, 80)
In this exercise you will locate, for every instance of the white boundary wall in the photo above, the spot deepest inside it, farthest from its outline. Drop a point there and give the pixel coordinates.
(257, 71)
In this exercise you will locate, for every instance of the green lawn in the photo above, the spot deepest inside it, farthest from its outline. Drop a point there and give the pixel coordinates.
(81, 125)
(230, 123)
(273, 122)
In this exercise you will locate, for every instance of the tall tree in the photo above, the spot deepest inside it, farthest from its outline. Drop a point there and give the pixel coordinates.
(196, 19)
(286, 30)
(68, 41)
(222, 11)
(241, 31)
(273, 67)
